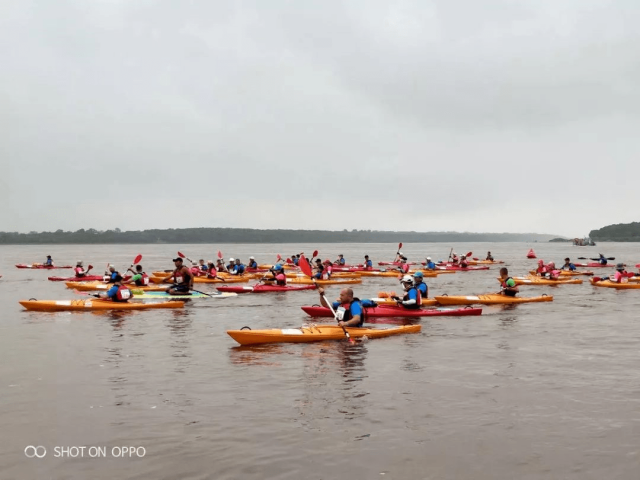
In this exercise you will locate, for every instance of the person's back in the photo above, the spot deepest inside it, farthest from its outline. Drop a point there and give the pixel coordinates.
(489, 257)
(420, 285)
(140, 278)
(118, 292)
(49, 262)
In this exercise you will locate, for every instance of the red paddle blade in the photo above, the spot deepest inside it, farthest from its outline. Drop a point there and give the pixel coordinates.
(219, 254)
(181, 255)
(279, 257)
(399, 245)
(289, 261)
(304, 266)
(89, 266)
(137, 259)
(469, 254)
(315, 254)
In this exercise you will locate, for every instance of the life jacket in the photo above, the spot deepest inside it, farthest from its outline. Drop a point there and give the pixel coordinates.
(422, 286)
(143, 281)
(463, 264)
(346, 309)
(506, 289)
(179, 279)
(112, 277)
(342, 261)
(254, 264)
(418, 303)
(541, 270)
(212, 272)
(326, 272)
(79, 271)
(122, 294)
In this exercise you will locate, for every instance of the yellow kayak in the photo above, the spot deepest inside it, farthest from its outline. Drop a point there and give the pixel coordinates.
(618, 286)
(426, 302)
(566, 273)
(94, 304)
(488, 299)
(531, 280)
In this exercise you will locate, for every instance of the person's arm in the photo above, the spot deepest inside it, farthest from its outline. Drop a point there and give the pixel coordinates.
(323, 302)
(413, 298)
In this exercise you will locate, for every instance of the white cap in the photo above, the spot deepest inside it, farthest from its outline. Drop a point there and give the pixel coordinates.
(399, 253)
(251, 258)
(406, 279)
(231, 259)
(428, 258)
(79, 262)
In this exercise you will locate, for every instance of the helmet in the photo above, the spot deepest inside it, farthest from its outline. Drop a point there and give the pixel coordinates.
(251, 258)
(418, 275)
(399, 253)
(406, 279)
(541, 262)
(277, 266)
(79, 262)
(232, 259)
(428, 258)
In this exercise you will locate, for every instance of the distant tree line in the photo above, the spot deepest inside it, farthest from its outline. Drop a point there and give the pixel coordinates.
(248, 235)
(621, 232)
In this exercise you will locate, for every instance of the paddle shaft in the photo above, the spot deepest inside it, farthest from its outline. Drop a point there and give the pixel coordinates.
(336, 317)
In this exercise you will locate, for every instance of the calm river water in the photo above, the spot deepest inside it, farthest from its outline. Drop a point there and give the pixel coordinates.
(535, 391)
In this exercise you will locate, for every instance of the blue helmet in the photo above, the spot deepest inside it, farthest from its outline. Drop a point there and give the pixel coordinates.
(418, 275)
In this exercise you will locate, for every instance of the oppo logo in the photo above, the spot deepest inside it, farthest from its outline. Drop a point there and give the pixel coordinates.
(32, 451)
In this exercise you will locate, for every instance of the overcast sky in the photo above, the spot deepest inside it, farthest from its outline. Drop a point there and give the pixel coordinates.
(466, 115)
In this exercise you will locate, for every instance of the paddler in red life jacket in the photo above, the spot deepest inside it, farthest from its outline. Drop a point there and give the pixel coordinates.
(552, 273)
(621, 276)
(541, 270)
(220, 266)
(509, 287)
(117, 293)
(279, 277)
(183, 280)
(455, 261)
(348, 309)
(463, 262)
(139, 278)
(328, 270)
(412, 298)
(211, 270)
(79, 269)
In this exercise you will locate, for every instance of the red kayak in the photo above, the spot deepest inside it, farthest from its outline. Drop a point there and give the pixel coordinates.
(264, 288)
(397, 311)
(40, 266)
(88, 278)
(397, 264)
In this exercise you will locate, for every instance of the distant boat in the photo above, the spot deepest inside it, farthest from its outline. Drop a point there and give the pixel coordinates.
(584, 242)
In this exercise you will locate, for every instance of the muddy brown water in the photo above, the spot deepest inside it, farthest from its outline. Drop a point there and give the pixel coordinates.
(533, 391)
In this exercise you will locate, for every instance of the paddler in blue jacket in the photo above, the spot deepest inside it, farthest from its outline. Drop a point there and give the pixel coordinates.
(412, 298)
(568, 265)
(603, 259)
(49, 262)
(252, 263)
(368, 264)
(418, 282)
(111, 274)
(348, 309)
(340, 260)
(238, 268)
(430, 265)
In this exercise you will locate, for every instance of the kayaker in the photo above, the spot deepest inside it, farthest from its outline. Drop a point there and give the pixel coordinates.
(463, 262)
(603, 259)
(552, 273)
(412, 298)
(295, 258)
(211, 270)
(319, 270)
(509, 287)
(111, 273)
(621, 276)
(400, 258)
(79, 269)
(418, 282)
(348, 309)
(455, 260)
(541, 270)
(117, 293)
(140, 278)
(368, 264)
(202, 266)
(278, 276)
(231, 265)
(328, 270)
(220, 266)
(238, 268)
(489, 257)
(48, 262)
(183, 280)
(253, 263)
(568, 265)
(340, 260)
(430, 265)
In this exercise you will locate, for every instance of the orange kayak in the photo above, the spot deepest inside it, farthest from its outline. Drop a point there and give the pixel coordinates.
(488, 299)
(315, 333)
(566, 273)
(531, 280)
(618, 286)
(484, 262)
(101, 286)
(426, 302)
(94, 304)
